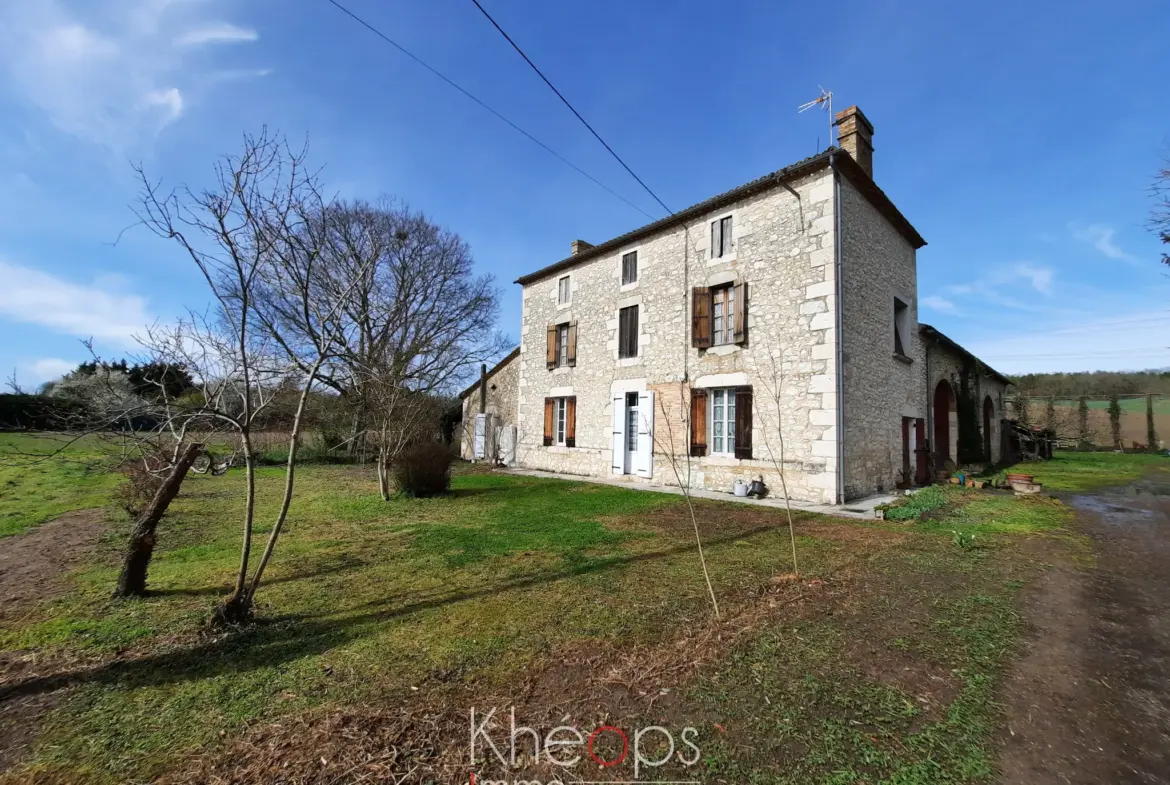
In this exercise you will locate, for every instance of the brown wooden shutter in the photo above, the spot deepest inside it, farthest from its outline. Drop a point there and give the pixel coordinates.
(572, 351)
(701, 317)
(549, 412)
(741, 321)
(698, 422)
(550, 349)
(743, 422)
(571, 421)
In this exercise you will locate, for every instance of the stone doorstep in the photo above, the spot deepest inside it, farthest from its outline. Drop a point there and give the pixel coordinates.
(862, 508)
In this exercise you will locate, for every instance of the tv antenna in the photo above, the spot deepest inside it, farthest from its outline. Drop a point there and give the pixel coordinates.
(826, 103)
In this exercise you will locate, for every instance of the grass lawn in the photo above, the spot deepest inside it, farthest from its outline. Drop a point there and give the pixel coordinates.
(382, 623)
(33, 491)
(1086, 471)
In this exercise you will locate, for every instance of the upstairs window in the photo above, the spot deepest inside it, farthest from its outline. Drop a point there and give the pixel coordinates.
(723, 315)
(628, 332)
(901, 327)
(561, 345)
(630, 268)
(563, 291)
(719, 315)
(721, 238)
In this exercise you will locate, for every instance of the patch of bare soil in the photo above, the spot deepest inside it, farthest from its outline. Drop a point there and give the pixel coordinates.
(33, 564)
(32, 570)
(1089, 702)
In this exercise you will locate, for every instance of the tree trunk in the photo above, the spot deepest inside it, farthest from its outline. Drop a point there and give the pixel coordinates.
(237, 607)
(383, 476)
(132, 581)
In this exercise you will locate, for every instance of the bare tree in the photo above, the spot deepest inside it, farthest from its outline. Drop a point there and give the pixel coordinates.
(249, 235)
(675, 428)
(775, 389)
(416, 318)
(1160, 214)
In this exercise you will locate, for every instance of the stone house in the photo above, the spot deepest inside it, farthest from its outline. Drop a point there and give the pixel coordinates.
(774, 325)
(502, 400)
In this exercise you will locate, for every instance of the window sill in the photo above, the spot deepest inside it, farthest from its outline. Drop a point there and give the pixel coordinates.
(720, 349)
(563, 306)
(721, 259)
(561, 369)
(627, 361)
(628, 287)
(903, 358)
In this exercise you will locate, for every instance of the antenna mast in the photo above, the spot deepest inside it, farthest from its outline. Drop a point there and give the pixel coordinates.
(826, 103)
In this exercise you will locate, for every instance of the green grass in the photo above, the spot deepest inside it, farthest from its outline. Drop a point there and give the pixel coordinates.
(815, 703)
(35, 490)
(910, 507)
(1087, 471)
(366, 600)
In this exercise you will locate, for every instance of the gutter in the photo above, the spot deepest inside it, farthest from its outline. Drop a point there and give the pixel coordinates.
(840, 353)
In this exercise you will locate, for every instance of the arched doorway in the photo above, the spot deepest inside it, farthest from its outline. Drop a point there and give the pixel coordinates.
(988, 419)
(944, 408)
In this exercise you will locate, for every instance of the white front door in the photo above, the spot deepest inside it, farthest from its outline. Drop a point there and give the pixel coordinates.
(631, 462)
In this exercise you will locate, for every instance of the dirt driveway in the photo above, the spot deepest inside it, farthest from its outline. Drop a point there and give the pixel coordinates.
(1089, 702)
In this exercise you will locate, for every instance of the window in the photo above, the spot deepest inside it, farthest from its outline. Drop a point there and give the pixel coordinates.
(728, 413)
(901, 326)
(560, 422)
(561, 345)
(721, 238)
(723, 315)
(723, 421)
(628, 332)
(561, 412)
(563, 291)
(719, 315)
(630, 268)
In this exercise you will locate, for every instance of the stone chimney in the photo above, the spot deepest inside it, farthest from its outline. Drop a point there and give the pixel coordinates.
(855, 136)
(580, 245)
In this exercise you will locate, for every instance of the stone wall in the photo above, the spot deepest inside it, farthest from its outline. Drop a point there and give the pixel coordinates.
(944, 363)
(881, 387)
(783, 248)
(503, 397)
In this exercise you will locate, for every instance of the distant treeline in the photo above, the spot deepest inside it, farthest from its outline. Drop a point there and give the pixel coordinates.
(1095, 383)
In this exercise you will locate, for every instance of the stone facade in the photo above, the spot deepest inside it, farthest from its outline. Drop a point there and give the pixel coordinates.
(840, 391)
(503, 395)
(945, 363)
(782, 246)
(881, 385)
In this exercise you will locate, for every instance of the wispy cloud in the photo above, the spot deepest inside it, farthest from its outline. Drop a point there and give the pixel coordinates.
(1100, 237)
(216, 33)
(1002, 285)
(108, 72)
(96, 310)
(1039, 277)
(936, 303)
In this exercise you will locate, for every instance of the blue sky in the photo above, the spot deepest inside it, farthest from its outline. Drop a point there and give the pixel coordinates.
(1020, 139)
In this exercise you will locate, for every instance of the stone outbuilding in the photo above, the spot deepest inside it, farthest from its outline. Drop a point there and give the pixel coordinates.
(499, 398)
(770, 329)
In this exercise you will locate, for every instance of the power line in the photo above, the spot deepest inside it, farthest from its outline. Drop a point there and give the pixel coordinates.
(565, 101)
(529, 136)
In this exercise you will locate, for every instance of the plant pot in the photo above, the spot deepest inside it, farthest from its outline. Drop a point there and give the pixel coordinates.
(1014, 478)
(740, 488)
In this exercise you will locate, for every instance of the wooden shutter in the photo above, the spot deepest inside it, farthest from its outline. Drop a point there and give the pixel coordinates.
(618, 459)
(743, 422)
(550, 411)
(572, 352)
(571, 421)
(701, 317)
(698, 422)
(741, 299)
(550, 349)
(644, 463)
